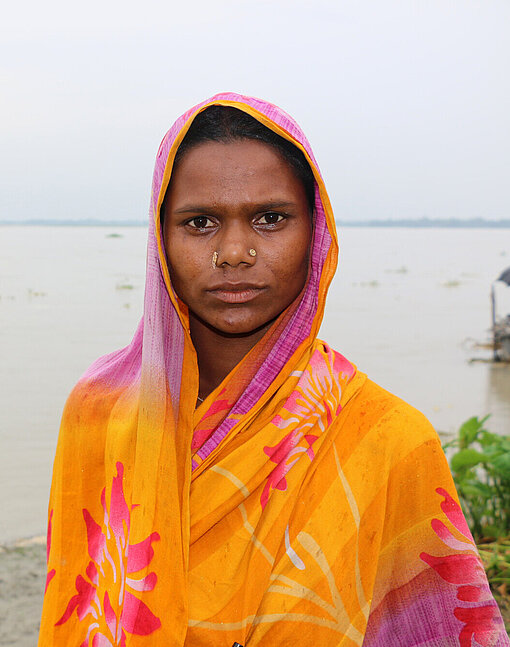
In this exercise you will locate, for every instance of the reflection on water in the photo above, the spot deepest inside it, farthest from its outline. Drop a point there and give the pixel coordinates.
(401, 307)
(498, 395)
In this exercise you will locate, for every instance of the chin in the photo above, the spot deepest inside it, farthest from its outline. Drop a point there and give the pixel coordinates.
(238, 326)
(239, 330)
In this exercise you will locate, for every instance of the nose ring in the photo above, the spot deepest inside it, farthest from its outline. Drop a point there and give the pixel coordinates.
(252, 252)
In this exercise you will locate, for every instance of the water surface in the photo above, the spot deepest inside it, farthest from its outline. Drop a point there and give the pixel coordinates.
(405, 307)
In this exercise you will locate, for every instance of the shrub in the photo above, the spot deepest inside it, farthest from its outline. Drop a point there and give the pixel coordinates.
(481, 470)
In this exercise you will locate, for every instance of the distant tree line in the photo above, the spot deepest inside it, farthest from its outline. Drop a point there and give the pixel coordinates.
(472, 223)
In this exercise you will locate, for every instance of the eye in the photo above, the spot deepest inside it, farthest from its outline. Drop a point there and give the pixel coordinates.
(270, 218)
(200, 222)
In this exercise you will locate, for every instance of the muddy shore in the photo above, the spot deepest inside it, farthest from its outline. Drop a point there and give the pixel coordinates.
(22, 576)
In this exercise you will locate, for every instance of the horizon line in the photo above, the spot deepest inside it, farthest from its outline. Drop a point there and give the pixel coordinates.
(468, 223)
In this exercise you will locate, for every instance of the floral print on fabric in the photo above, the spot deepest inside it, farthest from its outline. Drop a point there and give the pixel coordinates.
(51, 574)
(480, 622)
(106, 595)
(311, 407)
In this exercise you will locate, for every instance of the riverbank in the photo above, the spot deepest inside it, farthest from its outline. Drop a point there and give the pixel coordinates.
(22, 575)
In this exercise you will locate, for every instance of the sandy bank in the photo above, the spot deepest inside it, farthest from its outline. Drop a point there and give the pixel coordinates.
(22, 576)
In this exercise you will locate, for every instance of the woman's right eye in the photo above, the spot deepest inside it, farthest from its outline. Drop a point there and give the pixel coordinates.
(200, 222)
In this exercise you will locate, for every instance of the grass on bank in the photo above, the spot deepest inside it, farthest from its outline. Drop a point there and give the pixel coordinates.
(481, 471)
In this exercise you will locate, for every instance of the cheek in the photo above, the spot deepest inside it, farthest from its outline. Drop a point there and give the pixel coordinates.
(185, 262)
(182, 274)
(295, 257)
(289, 267)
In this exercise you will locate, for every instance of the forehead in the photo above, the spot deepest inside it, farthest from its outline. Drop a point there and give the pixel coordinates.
(217, 170)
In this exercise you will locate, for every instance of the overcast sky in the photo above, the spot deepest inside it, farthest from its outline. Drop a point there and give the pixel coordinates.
(406, 103)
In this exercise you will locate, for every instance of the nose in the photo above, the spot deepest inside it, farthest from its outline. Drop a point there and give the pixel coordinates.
(235, 246)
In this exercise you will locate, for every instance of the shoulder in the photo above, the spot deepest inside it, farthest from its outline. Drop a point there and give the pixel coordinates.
(369, 410)
(392, 443)
(110, 378)
(388, 410)
(88, 397)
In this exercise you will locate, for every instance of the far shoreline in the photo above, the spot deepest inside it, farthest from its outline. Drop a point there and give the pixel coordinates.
(406, 223)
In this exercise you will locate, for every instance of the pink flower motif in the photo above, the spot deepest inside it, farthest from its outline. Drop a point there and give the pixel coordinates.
(447, 537)
(456, 569)
(312, 406)
(119, 511)
(480, 623)
(137, 618)
(201, 435)
(81, 601)
(466, 572)
(96, 541)
(51, 574)
(279, 454)
(454, 513)
(140, 555)
(120, 611)
(469, 593)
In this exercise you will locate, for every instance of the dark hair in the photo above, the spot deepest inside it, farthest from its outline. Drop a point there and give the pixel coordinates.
(227, 124)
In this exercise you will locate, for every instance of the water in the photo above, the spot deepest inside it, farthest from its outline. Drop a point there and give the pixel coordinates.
(403, 307)
(408, 305)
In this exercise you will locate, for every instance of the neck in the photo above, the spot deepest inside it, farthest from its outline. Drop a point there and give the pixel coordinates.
(218, 353)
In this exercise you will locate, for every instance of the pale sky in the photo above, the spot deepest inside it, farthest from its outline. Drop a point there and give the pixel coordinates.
(406, 103)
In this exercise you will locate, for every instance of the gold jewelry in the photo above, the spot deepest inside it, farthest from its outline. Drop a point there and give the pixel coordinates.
(252, 252)
(215, 260)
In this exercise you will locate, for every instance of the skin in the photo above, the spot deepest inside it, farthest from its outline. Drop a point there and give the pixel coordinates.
(232, 197)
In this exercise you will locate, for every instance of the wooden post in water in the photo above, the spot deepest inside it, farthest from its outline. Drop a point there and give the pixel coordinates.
(493, 310)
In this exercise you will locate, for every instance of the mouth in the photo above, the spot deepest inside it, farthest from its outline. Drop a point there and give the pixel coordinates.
(236, 292)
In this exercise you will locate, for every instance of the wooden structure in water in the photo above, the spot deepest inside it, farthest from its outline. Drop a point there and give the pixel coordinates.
(500, 325)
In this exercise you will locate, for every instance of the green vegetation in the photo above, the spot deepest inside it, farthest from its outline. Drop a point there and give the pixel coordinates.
(496, 560)
(481, 470)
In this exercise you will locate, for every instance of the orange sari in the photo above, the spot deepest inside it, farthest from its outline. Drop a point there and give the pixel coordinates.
(300, 504)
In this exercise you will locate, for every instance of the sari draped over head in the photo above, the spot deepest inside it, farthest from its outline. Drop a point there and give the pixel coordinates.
(300, 504)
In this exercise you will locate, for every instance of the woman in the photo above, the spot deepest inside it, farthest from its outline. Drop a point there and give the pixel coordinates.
(228, 477)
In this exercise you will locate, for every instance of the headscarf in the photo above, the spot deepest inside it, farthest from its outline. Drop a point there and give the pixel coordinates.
(293, 507)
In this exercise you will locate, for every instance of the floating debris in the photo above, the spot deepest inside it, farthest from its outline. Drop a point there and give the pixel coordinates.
(114, 235)
(367, 284)
(124, 286)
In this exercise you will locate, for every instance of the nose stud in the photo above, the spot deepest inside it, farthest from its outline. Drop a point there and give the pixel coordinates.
(214, 260)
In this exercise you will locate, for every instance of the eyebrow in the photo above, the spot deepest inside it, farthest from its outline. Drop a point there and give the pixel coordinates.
(262, 206)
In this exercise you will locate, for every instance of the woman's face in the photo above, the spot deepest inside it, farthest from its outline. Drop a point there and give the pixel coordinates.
(225, 199)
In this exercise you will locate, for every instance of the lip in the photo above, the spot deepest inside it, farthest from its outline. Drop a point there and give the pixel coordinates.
(236, 292)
